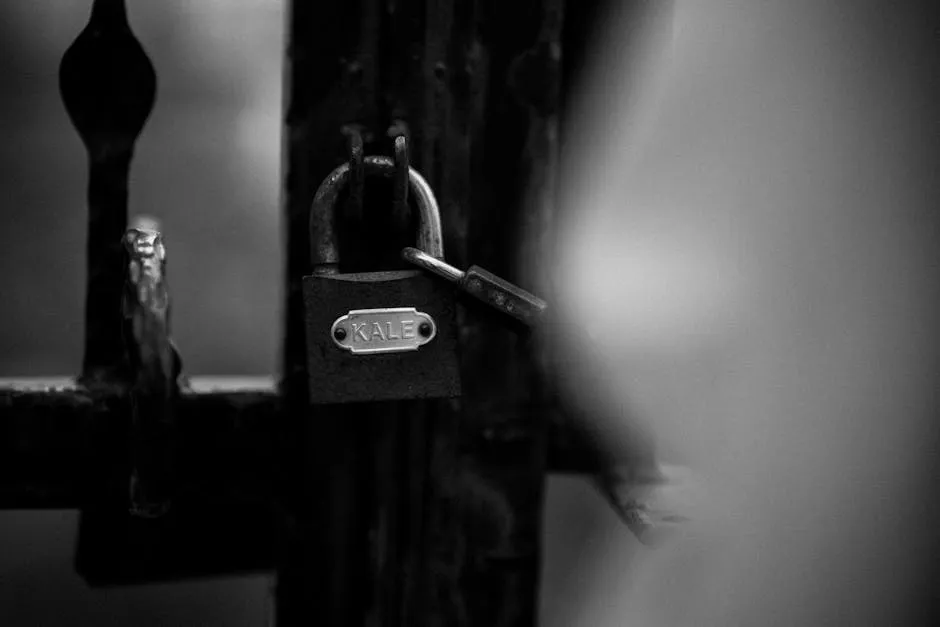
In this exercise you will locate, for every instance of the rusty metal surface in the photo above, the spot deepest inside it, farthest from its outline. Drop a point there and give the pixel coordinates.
(500, 449)
(155, 366)
(338, 376)
(48, 427)
(473, 504)
(64, 446)
(324, 239)
(108, 86)
(61, 441)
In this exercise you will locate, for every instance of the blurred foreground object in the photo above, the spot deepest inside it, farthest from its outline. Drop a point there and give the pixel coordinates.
(750, 238)
(651, 509)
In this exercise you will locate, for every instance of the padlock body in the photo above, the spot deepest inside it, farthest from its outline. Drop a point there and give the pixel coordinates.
(343, 376)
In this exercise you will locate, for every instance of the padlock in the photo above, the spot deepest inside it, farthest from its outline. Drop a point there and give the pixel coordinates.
(376, 336)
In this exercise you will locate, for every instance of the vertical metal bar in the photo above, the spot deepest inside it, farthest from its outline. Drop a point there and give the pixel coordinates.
(108, 86)
(383, 526)
(414, 455)
(156, 367)
(443, 67)
(329, 82)
(502, 439)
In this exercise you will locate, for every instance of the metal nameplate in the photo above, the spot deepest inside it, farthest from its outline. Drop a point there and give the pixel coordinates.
(392, 330)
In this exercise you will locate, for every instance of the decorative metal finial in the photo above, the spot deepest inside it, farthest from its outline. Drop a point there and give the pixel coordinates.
(108, 85)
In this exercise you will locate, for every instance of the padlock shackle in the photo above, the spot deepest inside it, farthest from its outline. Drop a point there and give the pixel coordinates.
(324, 251)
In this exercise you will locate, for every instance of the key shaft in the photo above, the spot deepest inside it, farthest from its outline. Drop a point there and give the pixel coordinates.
(485, 286)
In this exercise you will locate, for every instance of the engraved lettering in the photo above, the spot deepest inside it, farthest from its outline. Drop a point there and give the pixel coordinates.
(391, 330)
(359, 332)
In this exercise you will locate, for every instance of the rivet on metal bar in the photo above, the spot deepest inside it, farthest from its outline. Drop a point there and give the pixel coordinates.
(398, 131)
(156, 366)
(108, 86)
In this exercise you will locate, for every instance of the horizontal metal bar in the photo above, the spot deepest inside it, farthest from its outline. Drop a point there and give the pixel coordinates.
(60, 442)
(196, 385)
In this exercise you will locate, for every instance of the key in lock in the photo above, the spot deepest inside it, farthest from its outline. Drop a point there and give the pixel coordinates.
(374, 336)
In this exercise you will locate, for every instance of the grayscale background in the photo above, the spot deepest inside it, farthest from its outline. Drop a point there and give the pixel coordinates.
(762, 244)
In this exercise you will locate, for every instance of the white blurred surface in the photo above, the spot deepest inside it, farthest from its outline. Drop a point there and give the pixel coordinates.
(753, 239)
